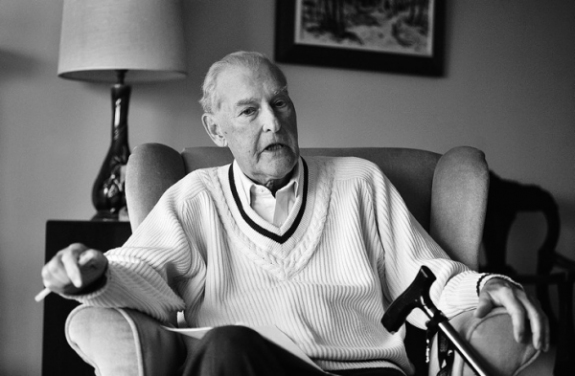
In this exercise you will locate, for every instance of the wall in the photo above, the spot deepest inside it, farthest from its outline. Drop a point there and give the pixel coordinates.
(509, 90)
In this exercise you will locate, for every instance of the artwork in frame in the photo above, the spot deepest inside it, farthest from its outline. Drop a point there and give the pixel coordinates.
(403, 36)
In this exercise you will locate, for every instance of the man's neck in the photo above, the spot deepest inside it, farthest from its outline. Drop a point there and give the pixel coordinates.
(277, 184)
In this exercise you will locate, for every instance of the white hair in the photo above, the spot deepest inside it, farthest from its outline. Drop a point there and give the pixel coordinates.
(250, 60)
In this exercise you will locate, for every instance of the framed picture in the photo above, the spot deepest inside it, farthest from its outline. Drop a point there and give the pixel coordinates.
(403, 36)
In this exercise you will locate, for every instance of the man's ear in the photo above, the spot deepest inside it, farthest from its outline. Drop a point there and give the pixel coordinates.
(214, 130)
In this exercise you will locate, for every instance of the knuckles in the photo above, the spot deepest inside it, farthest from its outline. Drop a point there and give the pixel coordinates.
(51, 268)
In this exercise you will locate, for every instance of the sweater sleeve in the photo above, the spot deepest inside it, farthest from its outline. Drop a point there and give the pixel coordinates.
(407, 247)
(146, 272)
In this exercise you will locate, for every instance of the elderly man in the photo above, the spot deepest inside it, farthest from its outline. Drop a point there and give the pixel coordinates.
(318, 247)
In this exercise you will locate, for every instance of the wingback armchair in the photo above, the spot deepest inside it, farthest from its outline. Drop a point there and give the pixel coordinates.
(446, 193)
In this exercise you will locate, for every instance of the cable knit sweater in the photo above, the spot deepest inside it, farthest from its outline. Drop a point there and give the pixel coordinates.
(347, 249)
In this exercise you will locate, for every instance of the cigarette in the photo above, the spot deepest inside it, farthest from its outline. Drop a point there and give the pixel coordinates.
(42, 294)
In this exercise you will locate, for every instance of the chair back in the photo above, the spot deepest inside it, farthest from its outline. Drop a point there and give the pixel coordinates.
(447, 193)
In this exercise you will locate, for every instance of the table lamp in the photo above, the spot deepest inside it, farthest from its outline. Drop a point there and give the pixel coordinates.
(120, 42)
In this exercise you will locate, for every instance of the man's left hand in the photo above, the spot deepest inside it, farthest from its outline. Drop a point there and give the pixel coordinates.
(498, 292)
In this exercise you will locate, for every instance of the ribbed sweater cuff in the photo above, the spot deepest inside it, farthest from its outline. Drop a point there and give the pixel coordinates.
(465, 297)
(92, 291)
(468, 288)
(486, 277)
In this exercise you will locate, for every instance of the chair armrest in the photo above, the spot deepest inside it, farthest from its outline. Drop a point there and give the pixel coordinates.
(459, 202)
(123, 342)
(492, 338)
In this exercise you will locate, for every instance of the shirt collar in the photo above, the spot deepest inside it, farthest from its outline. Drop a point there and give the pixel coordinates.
(244, 184)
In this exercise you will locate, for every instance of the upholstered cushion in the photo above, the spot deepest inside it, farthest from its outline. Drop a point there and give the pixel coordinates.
(123, 342)
(492, 338)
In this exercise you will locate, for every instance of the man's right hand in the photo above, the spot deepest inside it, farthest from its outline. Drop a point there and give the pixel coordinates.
(74, 269)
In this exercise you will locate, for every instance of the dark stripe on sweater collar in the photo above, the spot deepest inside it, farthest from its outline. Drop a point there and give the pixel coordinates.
(277, 238)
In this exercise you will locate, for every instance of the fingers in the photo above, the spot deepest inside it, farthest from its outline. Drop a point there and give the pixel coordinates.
(73, 268)
(54, 274)
(539, 324)
(517, 313)
(522, 310)
(70, 260)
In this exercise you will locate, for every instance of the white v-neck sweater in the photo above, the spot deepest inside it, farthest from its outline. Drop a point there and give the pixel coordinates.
(347, 249)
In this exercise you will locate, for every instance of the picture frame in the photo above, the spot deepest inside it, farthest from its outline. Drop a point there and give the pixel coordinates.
(400, 36)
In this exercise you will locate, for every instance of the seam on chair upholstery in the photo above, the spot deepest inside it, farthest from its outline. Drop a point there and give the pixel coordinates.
(525, 362)
(73, 344)
(137, 342)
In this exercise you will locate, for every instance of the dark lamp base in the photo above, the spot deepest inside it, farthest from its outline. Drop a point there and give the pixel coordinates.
(108, 195)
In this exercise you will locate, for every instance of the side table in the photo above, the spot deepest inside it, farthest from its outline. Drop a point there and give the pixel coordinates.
(58, 358)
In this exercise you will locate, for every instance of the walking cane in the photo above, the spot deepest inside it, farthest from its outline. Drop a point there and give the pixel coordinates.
(417, 296)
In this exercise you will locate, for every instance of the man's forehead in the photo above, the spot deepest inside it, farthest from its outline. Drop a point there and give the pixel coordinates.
(241, 83)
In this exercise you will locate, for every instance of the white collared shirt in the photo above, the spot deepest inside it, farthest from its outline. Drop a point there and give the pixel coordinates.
(274, 210)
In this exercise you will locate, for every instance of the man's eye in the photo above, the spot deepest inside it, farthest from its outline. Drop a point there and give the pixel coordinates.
(280, 103)
(249, 111)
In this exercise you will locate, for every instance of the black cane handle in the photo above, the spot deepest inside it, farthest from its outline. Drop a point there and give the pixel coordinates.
(410, 299)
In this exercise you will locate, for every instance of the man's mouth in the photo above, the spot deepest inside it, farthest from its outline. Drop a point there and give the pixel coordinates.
(274, 147)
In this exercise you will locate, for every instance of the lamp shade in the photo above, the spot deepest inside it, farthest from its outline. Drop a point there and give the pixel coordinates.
(100, 37)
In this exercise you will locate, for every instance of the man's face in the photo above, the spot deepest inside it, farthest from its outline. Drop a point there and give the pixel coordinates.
(256, 119)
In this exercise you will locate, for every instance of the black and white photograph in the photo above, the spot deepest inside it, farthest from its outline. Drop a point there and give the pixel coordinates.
(287, 187)
(397, 26)
(387, 35)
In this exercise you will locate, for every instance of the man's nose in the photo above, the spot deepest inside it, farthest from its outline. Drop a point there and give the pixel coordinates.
(270, 120)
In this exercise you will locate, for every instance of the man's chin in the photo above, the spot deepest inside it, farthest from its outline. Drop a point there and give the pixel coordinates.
(280, 166)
